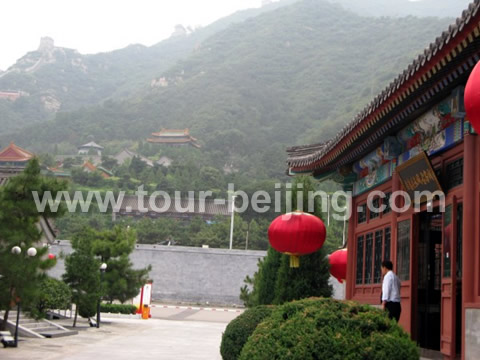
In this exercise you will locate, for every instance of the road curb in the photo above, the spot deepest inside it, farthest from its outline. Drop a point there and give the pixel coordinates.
(197, 308)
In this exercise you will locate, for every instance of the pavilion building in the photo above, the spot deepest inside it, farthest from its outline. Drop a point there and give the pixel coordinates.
(14, 156)
(91, 147)
(174, 137)
(415, 136)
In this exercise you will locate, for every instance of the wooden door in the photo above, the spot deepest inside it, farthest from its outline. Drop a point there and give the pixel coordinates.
(449, 281)
(404, 259)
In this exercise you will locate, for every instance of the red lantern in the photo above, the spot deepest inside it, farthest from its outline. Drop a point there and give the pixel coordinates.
(472, 98)
(338, 264)
(296, 234)
(51, 256)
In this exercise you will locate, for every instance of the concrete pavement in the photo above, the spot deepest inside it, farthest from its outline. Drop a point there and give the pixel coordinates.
(194, 313)
(171, 334)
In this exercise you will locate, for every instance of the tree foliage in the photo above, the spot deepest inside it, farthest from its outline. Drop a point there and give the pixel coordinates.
(285, 77)
(425, 8)
(76, 80)
(275, 282)
(83, 276)
(82, 268)
(19, 216)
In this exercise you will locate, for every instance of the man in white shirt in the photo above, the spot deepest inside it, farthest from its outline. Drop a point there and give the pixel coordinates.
(391, 291)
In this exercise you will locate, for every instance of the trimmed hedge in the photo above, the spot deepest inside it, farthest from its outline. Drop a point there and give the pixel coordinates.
(318, 328)
(239, 329)
(118, 309)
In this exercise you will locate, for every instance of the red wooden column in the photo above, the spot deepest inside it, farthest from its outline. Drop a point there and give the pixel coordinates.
(468, 273)
(352, 252)
(393, 243)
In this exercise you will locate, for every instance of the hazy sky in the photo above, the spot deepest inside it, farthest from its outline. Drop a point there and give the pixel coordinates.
(92, 26)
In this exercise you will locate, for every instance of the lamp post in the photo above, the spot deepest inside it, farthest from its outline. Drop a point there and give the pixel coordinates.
(231, 222)
(103, 267)
(17, 250)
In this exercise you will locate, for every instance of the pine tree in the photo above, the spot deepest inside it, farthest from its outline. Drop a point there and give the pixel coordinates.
(82, 268)
(275, 282)
(114, 247)
(82, 274)
(311, 278)
(19, 216)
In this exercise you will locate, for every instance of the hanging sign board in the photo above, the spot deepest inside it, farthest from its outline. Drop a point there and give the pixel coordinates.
(417, 176)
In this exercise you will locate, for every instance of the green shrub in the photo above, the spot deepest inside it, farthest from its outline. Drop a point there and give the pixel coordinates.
(318, 328)
(239, 329)
(53, 294)
(87, 305)
(118, 308)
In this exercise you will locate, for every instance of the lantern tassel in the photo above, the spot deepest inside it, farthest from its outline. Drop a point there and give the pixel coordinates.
(294, 261)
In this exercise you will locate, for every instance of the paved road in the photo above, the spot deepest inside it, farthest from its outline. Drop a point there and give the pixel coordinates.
(170, 334)
(172, 312)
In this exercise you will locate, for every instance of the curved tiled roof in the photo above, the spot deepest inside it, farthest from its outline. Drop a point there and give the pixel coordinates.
(14, 153)
(303, 151)
(172, 132)
(91, 144)
(422, 67)
(189, 207)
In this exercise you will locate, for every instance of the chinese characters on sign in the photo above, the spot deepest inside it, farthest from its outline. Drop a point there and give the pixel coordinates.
(417, 175)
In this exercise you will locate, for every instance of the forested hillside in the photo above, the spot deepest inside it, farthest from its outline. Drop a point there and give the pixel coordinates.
(421, 8)
(288, 76)
(59, 79)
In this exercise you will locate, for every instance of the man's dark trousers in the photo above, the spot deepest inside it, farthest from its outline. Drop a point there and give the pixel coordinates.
(394, 310)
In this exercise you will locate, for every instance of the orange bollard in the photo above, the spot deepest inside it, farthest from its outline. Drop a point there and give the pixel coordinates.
(145, 312)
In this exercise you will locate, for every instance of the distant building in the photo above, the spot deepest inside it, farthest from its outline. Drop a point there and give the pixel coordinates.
(14, 155)
(182, 209)
(90, 168)
(173, 137)
(161, 82)
(126, 154)
(164, 161)
(57, 172)
(229, 169)
(85, 149)
(10, 95)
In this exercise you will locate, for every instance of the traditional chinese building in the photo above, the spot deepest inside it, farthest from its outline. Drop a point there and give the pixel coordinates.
(127, 154)
(57, 172)
(14, 155)
(414, 136)
(173, 137)
(90, 147)
(176, 208)
(90, 168)
(10, 95)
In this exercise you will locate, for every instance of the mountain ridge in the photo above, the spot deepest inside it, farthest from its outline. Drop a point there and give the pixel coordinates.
(70, 80)
(248, 91)
(400, 8)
